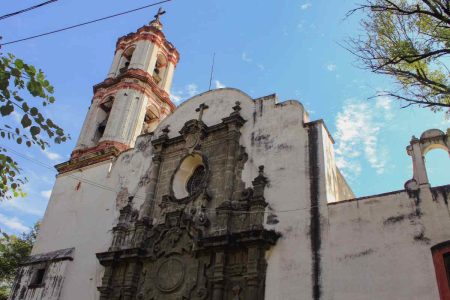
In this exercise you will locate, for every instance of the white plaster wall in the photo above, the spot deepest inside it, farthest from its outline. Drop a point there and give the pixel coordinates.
(376, 249)
(83, 217)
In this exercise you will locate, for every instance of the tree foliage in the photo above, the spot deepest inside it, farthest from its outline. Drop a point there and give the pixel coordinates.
(410, 41)
(24, 91)
(13, 250)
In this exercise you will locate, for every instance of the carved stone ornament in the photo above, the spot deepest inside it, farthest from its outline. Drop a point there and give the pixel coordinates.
(210, 244)
(193, 132)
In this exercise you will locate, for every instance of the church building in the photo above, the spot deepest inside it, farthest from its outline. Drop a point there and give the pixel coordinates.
(225, 197)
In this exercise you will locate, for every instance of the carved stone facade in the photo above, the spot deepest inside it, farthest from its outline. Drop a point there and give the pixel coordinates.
(209, 244)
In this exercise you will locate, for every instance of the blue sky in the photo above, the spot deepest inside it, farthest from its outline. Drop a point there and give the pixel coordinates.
(290, 48)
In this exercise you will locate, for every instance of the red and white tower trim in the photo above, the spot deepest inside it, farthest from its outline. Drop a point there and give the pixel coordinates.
(132, 100)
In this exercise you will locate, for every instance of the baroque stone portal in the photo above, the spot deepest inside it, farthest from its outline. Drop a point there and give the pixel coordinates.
(199, 233)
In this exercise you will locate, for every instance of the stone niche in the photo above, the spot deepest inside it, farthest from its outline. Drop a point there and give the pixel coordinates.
(199, 233)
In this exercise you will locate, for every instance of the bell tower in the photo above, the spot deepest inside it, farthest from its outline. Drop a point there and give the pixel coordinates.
(132, 100)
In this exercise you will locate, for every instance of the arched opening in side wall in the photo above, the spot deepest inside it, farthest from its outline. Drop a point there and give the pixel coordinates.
(437, 162)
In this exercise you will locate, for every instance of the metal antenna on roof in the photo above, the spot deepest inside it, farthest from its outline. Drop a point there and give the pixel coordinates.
(212, 71)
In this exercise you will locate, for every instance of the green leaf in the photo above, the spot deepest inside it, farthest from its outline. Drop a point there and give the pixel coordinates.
(26, 122)
(33, 111)
(6, 109)
(25, 107)
(19, 63)
(15, 72)
(19, 140)
(35, 130)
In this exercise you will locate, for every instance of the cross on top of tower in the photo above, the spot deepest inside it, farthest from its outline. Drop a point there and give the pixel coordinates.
(157, 20)
(161, 12)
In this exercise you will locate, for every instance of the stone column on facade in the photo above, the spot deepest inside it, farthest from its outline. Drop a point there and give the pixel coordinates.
(257, 202)
(218, 276)
(146, 211)
(232, 149)
(252, 278)
(131, 280)
(419, 169)
(104, 289)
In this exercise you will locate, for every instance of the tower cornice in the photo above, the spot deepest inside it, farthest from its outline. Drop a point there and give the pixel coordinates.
(118, 82)
(154, 35)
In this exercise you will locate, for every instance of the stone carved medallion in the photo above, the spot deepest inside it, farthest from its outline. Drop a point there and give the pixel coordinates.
(192, 140)
(170, 274)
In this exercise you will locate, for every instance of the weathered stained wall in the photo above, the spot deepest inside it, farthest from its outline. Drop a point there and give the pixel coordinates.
(51, 289)
(380, 245)
(82, 210)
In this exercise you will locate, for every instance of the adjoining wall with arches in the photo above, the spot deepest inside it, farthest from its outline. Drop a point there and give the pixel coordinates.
(383, 246)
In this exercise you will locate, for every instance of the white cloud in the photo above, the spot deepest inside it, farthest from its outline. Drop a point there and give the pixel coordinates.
(192, 89)
(188, 91)
(245, 57)
(261, 67)
(52, 155)
(219, 85)
(46, 194)
(305, 6)
(358, 126)
(176, 98)
(17, 117)
(13, 223)
(331, 67)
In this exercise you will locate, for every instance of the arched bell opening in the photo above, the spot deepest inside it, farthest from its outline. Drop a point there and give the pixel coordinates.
(103, 117)
(126, 59)
(159, 71)
(151, 119)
